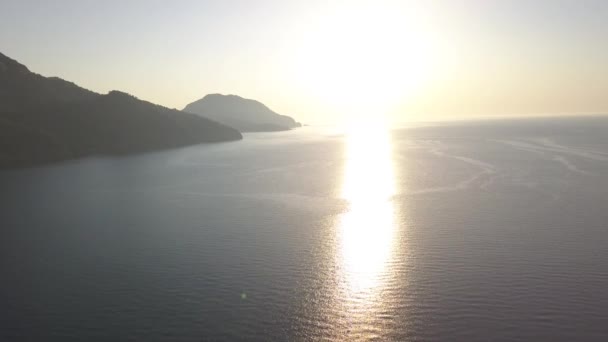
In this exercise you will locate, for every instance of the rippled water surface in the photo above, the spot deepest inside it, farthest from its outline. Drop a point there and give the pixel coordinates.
(473, 231)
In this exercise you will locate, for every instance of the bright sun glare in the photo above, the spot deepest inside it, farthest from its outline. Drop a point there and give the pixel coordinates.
(367, 229)
(362, 59)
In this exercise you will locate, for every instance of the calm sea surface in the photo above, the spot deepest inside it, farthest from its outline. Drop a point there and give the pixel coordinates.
(477, 231)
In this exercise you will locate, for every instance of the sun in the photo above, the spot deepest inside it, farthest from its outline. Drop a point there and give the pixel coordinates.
(362, 58)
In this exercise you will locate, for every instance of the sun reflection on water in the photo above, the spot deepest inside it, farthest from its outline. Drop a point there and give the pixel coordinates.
(367, 230)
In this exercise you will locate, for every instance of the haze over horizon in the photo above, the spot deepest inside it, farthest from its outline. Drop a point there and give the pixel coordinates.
(291, 170)
(327, 61)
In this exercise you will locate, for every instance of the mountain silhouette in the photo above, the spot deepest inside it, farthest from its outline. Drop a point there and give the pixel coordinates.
(45, 119)
(244, 114)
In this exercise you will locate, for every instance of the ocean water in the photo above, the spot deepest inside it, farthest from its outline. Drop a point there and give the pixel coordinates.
(471, 231)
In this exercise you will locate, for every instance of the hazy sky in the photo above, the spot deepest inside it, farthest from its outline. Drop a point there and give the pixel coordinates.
(327, 60)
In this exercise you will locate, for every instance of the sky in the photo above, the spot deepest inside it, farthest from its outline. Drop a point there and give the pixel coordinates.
(327, 61)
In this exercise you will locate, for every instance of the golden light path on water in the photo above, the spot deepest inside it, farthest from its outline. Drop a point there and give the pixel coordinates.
(366, 232)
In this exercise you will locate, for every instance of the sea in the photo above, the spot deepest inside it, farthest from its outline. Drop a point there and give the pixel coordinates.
(491, 230)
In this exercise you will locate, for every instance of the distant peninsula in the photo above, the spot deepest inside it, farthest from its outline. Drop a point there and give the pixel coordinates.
(46, 119)
(243, 114)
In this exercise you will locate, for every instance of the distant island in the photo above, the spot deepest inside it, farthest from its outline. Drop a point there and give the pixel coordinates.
(45, 119)
(243, 114)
